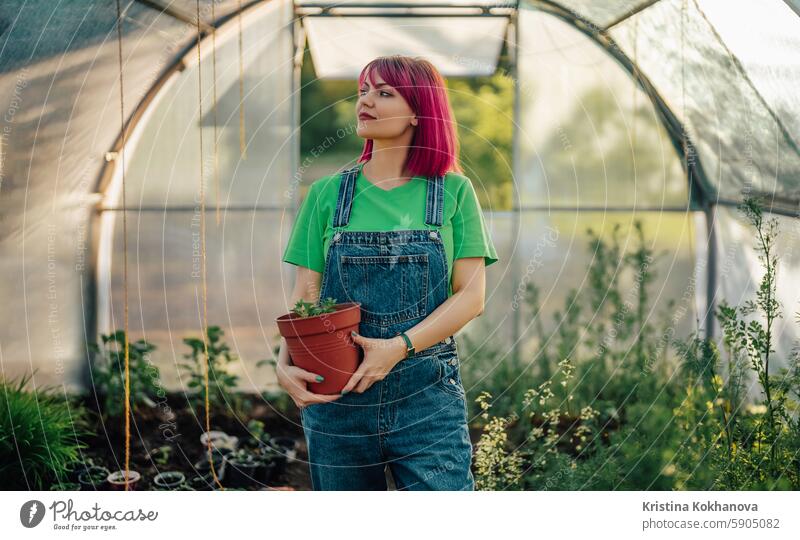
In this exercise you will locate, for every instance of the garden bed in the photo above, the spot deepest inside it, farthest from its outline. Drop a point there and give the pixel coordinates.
(153, 431)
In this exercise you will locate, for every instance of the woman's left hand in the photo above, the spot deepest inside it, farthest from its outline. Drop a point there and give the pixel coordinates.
(380, 356)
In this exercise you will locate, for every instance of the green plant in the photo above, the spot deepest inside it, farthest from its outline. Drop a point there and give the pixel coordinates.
(221, 383)
(162, 455)
(280, 401)
(748, 332)
(308, 309)
(614, 400)
(606, 329)
(108, 374)
(256, 429)
(496, 467)
(40, 435)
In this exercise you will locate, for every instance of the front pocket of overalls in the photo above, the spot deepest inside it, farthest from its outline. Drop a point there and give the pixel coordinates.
(449, 374)
(391, 288)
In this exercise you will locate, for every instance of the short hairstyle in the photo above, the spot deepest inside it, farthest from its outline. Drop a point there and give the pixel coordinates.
(434, 148)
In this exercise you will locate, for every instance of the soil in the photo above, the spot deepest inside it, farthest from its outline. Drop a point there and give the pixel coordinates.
(172, 423)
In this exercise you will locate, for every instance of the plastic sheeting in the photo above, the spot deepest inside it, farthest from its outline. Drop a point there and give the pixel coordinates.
(603, 14)
(592, 154)
(163, 179)
(59, 79)
(59, 89)
(588, 136)
(742, 116)
(739, 273)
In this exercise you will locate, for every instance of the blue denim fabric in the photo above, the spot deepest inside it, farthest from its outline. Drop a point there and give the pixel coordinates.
(414, 420)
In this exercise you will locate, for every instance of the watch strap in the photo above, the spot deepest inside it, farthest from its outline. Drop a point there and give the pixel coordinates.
(409, 345)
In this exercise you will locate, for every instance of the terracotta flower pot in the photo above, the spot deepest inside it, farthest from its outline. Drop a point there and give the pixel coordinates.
(322, 344)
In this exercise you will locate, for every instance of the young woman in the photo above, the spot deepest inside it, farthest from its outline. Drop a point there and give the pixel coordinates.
(401, 232)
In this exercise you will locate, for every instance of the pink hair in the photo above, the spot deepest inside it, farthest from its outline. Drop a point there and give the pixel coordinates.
(434, 148)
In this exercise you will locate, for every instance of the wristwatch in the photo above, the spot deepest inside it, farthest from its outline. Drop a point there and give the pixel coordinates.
(409, 346)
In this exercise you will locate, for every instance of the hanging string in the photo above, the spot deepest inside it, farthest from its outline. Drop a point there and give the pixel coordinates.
(242, 146)
(124, 256)
(635, 78)
(203, 250)
(685, 144)
(685, 120)
(214, 84)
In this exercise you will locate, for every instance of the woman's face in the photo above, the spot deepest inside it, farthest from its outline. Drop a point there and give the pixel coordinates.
(381, 112)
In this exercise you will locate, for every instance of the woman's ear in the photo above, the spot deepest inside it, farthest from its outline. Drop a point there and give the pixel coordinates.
(414, 121)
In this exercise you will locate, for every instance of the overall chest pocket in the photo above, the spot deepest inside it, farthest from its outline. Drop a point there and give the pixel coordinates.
(391, 288)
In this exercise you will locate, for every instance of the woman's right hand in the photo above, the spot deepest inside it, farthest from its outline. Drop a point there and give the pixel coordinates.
(295, 381)
(291, 378)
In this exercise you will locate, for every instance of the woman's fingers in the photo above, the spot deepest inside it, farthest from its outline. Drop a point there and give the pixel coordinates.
(364, 342)
(307, 375)
(310, 397)
(364, 384)
(354, 378)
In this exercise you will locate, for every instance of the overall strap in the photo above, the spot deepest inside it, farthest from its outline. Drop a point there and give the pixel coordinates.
(345, 201)
(434, 209)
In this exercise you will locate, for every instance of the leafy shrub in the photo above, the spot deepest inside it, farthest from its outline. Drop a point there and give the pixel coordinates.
(763, 446)
(39, 435)
(604, 409)
(221, 383)
(108, 374)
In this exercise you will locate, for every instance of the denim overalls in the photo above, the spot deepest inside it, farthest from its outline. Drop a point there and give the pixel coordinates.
(415, 419)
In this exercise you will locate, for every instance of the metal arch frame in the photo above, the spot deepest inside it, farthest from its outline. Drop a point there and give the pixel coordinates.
(696, 176)
(394, 9)
(794, 5)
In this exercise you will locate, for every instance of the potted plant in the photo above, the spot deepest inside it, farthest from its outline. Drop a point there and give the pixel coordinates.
(200, 483)
(288, 447)
(241, 469)
(258, 437)
(318, 339)
(118, 479)
(219, 439)
(74, 469)
(93, 478)
(266, 468)
(256, 443)
(169, 481)
(161, 455)
(277, 455)
(203, 468)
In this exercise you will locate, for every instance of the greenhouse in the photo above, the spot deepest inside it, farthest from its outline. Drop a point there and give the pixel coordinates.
(638, 167)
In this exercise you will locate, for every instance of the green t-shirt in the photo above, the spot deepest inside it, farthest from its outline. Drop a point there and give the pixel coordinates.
(464, 232)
